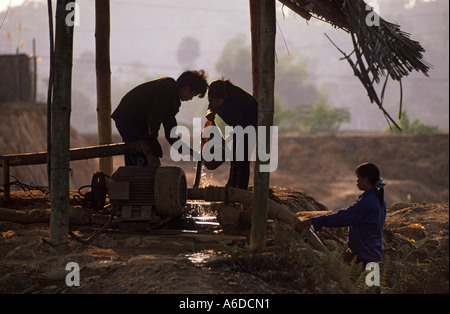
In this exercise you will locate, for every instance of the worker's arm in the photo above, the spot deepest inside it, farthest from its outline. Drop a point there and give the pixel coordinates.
(342, 218)
(169, 124)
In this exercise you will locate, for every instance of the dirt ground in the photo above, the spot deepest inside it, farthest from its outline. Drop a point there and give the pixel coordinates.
(315, 175)
(167, 262)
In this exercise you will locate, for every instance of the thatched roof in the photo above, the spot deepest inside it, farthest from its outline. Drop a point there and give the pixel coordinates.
(380, 49)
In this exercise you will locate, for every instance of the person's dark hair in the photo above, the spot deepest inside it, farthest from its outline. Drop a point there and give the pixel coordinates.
(196, 80)
(371, 171)
(218, 89)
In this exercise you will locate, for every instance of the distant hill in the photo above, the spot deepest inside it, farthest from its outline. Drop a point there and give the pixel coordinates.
(23, 129)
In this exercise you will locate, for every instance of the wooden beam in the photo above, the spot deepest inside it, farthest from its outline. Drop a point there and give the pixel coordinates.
(103, 73)
(265, 81)
(99, 151)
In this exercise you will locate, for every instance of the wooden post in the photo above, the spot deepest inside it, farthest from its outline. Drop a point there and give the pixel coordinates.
(50, 88)
(103, 72)
(265, 86)
(6, 186)
(254, 4)
(33, 98)
(60, 128)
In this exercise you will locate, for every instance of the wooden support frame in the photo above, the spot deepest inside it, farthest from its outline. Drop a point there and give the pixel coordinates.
(38, 158)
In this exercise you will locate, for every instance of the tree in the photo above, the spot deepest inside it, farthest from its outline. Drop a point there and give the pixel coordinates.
(412, 127)
(291, 72)
(188, 51)
(325, 118)
(310, 119)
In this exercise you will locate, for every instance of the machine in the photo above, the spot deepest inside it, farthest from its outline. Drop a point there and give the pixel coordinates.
(147, 196)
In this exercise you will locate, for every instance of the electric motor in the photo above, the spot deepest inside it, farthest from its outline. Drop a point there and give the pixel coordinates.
(147, 193)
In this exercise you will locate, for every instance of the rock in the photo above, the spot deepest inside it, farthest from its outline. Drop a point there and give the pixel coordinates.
(24, 252)
(399, 205)
(132, 241)
(104, 242)
(413, 231)
(229, 215)
(8, 234)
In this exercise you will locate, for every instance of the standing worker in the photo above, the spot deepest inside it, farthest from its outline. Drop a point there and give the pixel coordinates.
(142, 110)
(236, 108)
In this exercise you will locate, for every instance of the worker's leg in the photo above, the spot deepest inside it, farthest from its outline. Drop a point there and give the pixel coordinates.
(129, 135)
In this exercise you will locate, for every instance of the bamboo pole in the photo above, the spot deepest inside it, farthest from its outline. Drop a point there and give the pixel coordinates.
(103, 73)
(60, 126)
(265, 82)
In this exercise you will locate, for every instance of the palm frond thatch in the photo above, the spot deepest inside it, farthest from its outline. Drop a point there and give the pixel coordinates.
(380, 50)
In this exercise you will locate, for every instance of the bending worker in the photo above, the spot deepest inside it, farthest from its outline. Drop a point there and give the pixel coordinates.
(142, 110)
(236, 108)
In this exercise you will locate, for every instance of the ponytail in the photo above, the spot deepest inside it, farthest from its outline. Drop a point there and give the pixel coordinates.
(371, 172)
(380, 190)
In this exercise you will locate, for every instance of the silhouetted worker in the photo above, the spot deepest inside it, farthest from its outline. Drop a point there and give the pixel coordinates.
(236, 108)
(365, 218)
(142, 110)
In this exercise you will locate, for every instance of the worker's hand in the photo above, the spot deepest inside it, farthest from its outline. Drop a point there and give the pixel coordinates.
(302, 225)
(210, 115)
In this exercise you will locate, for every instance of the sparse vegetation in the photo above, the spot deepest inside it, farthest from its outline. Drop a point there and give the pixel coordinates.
(292, 263)
(310, 118)
(412, 127)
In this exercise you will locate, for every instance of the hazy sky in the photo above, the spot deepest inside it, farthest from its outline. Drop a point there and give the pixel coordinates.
(146, 34)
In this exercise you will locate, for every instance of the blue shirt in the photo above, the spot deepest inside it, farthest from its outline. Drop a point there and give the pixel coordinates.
(365, 219)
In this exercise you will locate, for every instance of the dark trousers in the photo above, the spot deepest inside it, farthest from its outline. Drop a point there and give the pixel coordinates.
(240, 169)
(129, 135)
(352, 258)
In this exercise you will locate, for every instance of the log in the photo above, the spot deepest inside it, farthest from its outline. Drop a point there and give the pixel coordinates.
(24, 216)
(245, 197)
(77, 215)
